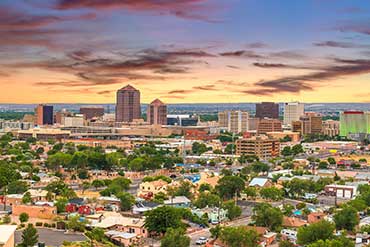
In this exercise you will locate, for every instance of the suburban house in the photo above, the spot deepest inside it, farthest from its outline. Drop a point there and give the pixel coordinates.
(148, 190)
(293, 222)
(341, 191)
(260, 182)
(115, 221)
(315, 217)
(123, 238)
(215, 215)
(38, 194)
(178, 201)
(141, 207)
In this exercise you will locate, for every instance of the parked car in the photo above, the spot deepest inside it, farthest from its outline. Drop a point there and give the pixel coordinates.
(201, 241)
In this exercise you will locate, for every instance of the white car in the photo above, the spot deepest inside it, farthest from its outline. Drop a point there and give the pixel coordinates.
(201, 241)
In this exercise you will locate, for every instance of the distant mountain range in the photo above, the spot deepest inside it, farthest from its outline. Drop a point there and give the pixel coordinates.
(205, 108)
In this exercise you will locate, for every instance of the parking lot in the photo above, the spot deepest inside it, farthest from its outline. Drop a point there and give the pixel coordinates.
(52, 237)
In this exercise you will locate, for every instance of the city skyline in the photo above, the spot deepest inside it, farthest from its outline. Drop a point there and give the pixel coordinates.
(185, 51)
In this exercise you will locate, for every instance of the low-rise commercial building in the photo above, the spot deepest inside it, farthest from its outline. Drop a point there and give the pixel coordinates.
(261, 146)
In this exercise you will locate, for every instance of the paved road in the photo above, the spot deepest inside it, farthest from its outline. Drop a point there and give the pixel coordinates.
(52, 237)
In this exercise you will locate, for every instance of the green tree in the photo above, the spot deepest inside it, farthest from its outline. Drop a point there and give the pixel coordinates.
(61, 204)
(239, 236)
(321, 230)
(230, 186)
(198, 148)
(57, 160)
(297, 149)
(287, 151)
(23, 217)
(160, 219)
(79, 160)
(323, 165)
(205, 187)
(286, 243)
(250, 191)
(271, 193)
(127, 200)
(17, 187)
(207, 199)
(175, 237)
(97, 183)
(29, 236)
(346, 219)
(338, 242)
(137, 164)
(74, 223)
(184, 189)
(26, 198)
(331, 161)
(268, 216)
(116, 186)
(259, 167)
(233, 211)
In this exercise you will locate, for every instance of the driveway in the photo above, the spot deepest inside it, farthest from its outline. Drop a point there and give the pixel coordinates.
(52, 237)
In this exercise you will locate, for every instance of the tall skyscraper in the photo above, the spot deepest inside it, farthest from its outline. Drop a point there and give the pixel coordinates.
(292, 112)
(267, 110)
(44, 115)
(157, 113)
(234, 121)
(128, 104)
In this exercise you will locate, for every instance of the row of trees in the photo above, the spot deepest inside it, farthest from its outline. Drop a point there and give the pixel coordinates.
(144, 158)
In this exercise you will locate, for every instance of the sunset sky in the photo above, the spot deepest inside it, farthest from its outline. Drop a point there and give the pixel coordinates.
(185, 51)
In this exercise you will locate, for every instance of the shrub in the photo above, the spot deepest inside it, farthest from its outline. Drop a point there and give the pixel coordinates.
(46, 224)
(38, 224)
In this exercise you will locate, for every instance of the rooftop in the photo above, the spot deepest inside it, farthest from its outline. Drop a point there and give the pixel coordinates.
(6, 231)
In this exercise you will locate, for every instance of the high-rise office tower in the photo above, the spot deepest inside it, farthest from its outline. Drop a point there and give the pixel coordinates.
(128, 104)
(292, 112)
(267, 110)
(44, 115)
(234, 121)
(157, 113)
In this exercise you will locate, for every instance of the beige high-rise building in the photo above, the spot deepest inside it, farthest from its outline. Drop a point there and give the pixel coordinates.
(292, 112)
(234, 121)
(128, 104)
(157, 113)
(311, 123)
